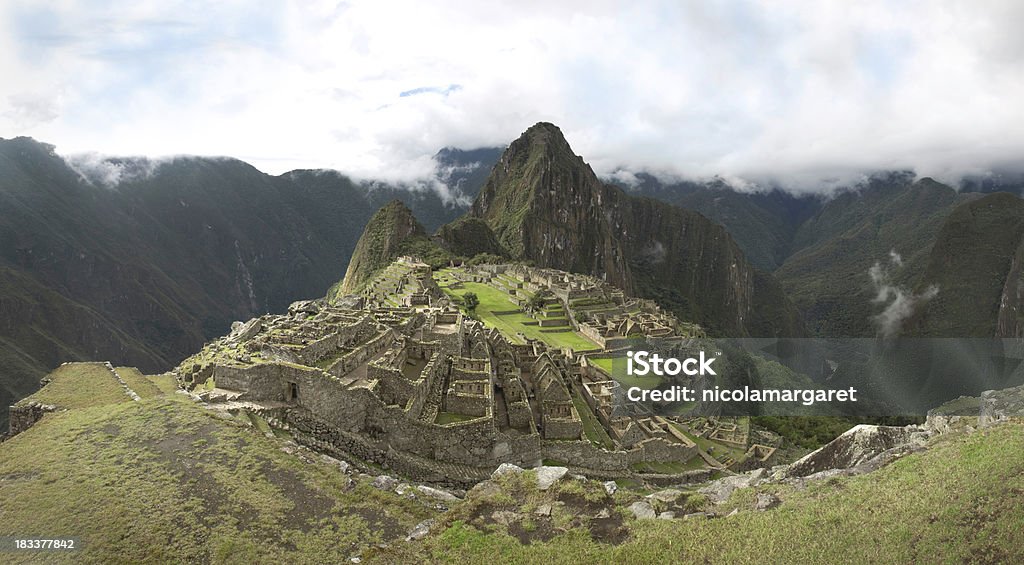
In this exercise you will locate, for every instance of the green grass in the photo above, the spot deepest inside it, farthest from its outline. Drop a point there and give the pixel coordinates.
(164, 480)
(451, 417)
(138, 382)
(494, 300)
(717, 450)
(81, 385)
(165, 382)
(591, 425)
(959, 502)
(608, 364)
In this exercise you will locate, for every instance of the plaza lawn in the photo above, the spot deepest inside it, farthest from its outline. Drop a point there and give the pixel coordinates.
(648, 381)
(493, 300)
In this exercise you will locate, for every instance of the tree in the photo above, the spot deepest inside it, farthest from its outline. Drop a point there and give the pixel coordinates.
(470, 300)
(539, 300)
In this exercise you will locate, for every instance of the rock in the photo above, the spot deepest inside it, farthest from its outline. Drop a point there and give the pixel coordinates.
(610, 487)
(1001, 405)
(720, 490)
(437, 494)
(643, 510)
(484, 490)
(855, 446)
(696, 515)
(402, 489)
(734, 512)
(668, 496)
(604, 513)
(505, 469)
(766, 501)
(384, 482)
(343, 466)
(547, 476)
(420, 531)
(543, 510)
(504, 517)
(667, 516)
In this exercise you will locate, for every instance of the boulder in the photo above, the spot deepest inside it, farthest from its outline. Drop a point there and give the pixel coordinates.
(610, 487)
(855, 446)
(766, 501)
(437, 494)
(420, 531)
(643, 510)
(385, 482)
(505, 469)
(547, 476)
(668, 496)
(543, 510)
(720, 490)
(667, 516)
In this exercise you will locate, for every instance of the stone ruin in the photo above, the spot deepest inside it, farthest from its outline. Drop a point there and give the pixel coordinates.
(410, 383)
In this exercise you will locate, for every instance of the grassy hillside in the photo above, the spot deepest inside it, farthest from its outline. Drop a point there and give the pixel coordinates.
(164, 480)
(958, 502)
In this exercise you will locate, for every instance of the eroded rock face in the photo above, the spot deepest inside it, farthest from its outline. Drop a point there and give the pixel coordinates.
(856, 446)
(999, 405)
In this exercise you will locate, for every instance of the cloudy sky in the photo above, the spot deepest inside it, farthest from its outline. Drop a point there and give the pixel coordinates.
(805, 91)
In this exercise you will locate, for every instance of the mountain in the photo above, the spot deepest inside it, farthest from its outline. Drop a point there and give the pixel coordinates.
(763, 222)
(976, 267)
(141, 261)
(393, 231)
(827, 274)
(546, 205)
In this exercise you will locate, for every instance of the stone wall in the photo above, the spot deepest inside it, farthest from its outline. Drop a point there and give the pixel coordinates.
(583, 454)
(467, 404)
(24, 416)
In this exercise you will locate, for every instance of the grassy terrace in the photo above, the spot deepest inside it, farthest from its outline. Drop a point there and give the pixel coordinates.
(717, 450)
(81, 385)
(592, 427)
(142, 385)
(493, 300)
(451, 417)
(648, 381)
(166, 481)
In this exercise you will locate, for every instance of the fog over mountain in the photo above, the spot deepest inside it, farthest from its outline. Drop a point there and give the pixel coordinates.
(804, 95)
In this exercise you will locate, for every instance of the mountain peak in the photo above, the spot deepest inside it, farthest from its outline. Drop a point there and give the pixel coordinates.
(385, 237)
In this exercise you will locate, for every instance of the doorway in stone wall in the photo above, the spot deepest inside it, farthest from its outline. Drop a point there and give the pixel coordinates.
(293, 391)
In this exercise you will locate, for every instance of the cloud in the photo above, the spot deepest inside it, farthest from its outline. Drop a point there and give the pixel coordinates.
(444, 91)
(809, 94)
(900, 303)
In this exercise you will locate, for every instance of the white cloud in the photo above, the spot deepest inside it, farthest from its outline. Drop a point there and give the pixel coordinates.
(810, 93)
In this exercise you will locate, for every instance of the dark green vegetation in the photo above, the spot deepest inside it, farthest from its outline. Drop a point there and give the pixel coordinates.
(164, 480)
(827, 274)
(976, 265)
(957, 502)
(964, 243)
(143, 272)
(392, 232)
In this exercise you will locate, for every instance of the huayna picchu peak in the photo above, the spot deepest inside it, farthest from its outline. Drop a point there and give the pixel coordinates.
(544, 204)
